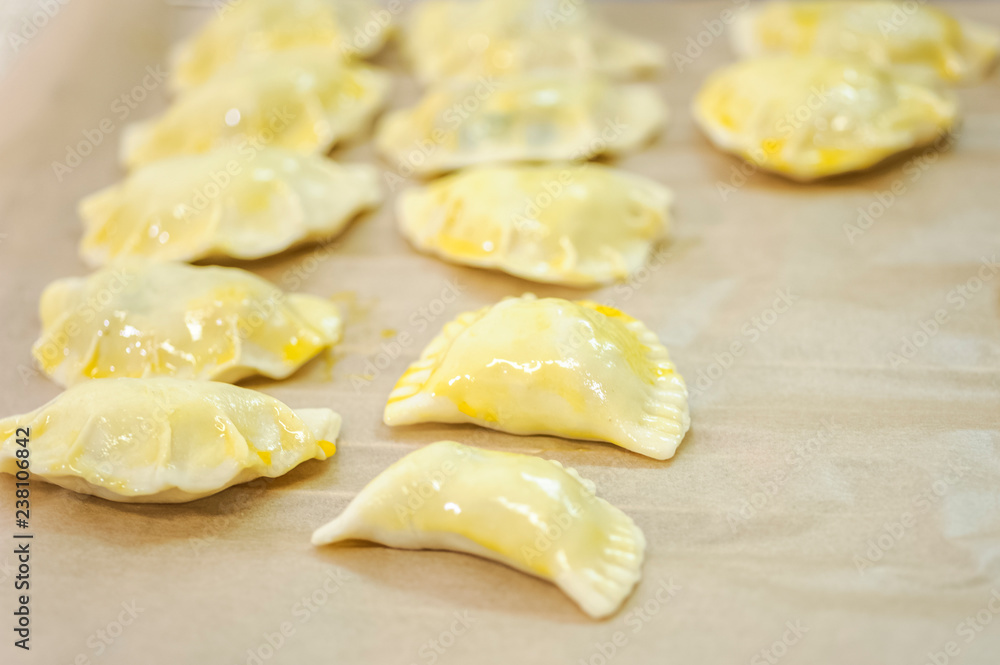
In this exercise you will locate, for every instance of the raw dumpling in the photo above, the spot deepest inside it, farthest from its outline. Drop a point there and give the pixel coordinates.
(304, 99)
(163, 440)
(458, 38)
(141, 319)
(528, 366)
(229, 202)
(354, 28)
(529, 118)
(526, 512)
(571, 224)
(906, 36)
(808, 117)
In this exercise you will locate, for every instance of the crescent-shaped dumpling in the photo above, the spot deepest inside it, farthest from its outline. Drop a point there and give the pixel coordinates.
(911, 37)
(305, 99)
(463, 39)
(572, 224)
(526, 512)
(808, 116)
(163, 440)
(144, 319)
(549, 366)
(536, 117)
(227, 203)
(355, 28)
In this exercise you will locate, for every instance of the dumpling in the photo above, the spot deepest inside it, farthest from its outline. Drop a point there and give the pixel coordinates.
(459, 38)
(808, 117)
(143, 319)
(304, 99)
(545, 117)
(908, 36)
(549, 366)
(526, 512)
(572, 224)
(163, 440)
(354, 28)
(244, 204)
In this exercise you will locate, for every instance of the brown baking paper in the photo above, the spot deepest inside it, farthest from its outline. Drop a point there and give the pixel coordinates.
(832, 503)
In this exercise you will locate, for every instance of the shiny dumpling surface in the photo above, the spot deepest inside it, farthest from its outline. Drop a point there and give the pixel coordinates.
(913, 38)
(458, 38)
(305, 99)
(164, 440)
(354, 28)
(573, 224)
(529, 513)
(549, 366)
(229, 202)
(808, 116)
(536, 117)
(143, 319)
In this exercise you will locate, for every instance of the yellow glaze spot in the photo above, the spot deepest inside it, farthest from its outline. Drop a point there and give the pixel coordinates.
(299, 351)
(607, 311)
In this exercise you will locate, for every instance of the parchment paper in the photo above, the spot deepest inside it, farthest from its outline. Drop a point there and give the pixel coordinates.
(830, 505)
